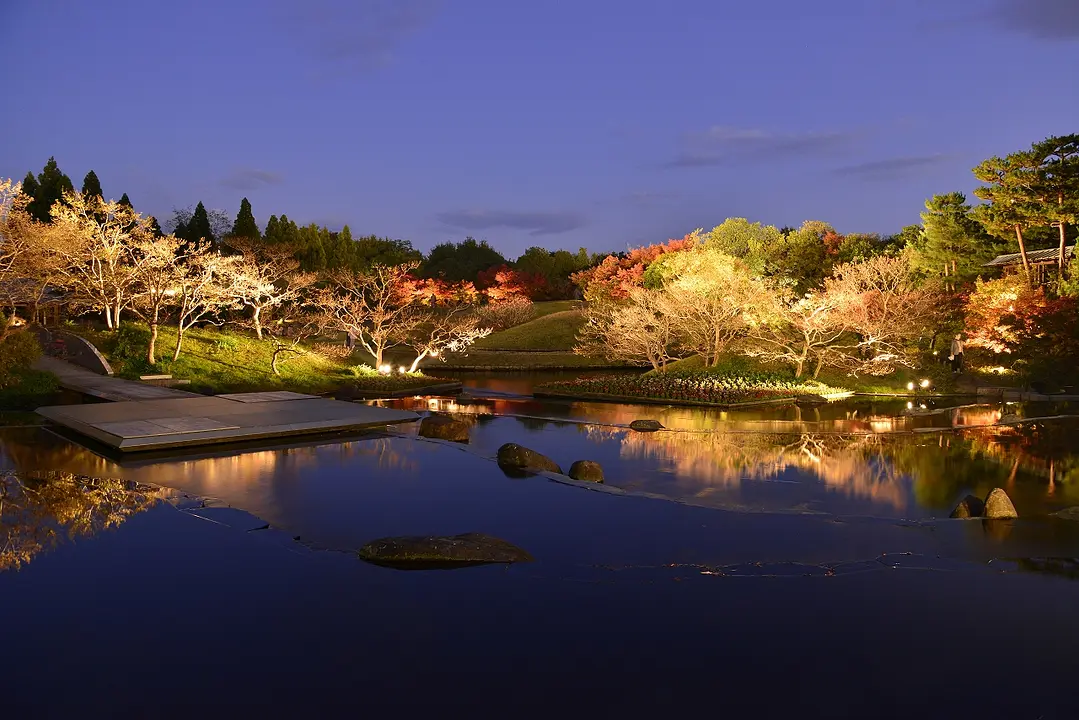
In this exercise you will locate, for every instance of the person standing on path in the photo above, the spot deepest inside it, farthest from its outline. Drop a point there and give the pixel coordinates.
(957, 354)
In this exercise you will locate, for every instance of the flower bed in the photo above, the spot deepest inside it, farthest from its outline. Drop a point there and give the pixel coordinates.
(691, 388)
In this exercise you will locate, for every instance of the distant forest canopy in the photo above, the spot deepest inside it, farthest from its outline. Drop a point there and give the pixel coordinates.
(1030, 200)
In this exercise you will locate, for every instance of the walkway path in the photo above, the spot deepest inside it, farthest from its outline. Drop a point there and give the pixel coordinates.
(105, 387)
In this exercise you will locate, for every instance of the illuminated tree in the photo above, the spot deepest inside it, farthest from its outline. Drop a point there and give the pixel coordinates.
(442, 330)
(95, 239)
(376, 307)
(161, 270)
(711, 299)
(798, 330)
(639, 329)
(882, 303)
(204, 288)
(266, 277)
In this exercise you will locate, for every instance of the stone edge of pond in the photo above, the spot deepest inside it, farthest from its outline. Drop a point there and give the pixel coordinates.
(632, 400)
(219, 512)
(449, 386)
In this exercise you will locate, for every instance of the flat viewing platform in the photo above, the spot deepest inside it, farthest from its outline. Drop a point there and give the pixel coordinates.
(171, 422)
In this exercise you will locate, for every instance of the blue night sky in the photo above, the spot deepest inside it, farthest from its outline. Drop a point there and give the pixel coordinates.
(597, 123)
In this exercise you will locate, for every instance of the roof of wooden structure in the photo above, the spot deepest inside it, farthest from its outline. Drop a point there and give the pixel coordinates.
(1049, 255)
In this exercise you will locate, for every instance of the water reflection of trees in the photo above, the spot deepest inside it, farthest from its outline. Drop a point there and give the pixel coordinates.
(849, 416)
(1037, 463)
(39, 511)
(854, 465)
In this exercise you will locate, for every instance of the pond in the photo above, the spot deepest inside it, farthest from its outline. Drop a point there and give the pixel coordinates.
(225, 582)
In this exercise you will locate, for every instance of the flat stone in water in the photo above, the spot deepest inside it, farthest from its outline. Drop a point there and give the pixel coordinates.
(441, 427)
(515, 457)
(587, 471)
(421, 552)
(646, 425)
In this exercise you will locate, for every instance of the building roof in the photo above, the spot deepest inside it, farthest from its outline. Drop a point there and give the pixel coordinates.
(1033, 256)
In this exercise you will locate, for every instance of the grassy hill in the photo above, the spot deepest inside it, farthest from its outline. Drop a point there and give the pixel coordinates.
(555, 331)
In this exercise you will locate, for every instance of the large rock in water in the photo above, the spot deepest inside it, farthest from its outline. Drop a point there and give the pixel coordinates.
(441, 427)
(420, 552)
(512, 456)
(999, 505)
(586, 470)
(968, 507)
(646, 425)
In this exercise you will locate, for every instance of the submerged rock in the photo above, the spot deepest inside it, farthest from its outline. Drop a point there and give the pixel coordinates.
(999, 505)
(586, 470)
(512, 456)
(646, 425)
(441, 427)
(434, 551)
(968, 507)
(1071, 513)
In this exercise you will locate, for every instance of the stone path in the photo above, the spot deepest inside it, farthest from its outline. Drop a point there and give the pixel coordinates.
(105, 387)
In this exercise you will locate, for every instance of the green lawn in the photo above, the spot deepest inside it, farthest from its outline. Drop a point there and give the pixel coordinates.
(550, 307)
(548, 332)
(226, 360)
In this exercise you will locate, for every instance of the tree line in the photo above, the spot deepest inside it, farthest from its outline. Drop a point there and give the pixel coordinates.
(814, 298)
(809, 295)
(540, 273)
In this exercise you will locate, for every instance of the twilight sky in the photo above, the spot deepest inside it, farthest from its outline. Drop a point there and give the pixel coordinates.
(597, 123)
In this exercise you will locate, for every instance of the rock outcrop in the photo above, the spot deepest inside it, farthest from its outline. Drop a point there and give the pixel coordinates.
(998, 505)
(418, 552)
(646, 425)
(586, 470)
(441, 427)
(512, 456)
(968, 507)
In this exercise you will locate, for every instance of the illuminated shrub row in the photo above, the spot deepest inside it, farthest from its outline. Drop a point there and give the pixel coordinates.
(700, 387)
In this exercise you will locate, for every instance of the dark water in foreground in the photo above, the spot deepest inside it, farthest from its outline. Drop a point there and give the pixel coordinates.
(127, 600)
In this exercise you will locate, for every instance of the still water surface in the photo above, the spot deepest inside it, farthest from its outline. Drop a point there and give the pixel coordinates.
(843, 587)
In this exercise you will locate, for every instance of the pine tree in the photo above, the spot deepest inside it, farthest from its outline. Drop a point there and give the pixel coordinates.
(155, 226)
(245, 225)
(198, 228)
(125, 200)
(91, 186)
(52, 184)
(272, 229)
(282, 232)
(29, 185)
(953, 243)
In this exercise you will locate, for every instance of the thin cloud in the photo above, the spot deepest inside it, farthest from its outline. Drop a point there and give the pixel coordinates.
(891, 168)
(1042, 19)
(357, 34)
(536, 223)
(250, 179)
(726, 145)
(647, 198)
